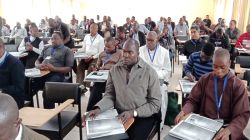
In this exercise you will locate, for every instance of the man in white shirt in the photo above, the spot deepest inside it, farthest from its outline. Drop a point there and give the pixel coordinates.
(33, 45)
(181, 29)
(10, 123)
(93, 45)
(18, 32)
(157, 57)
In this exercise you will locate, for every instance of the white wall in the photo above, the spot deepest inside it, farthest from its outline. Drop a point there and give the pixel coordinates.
(19, 10)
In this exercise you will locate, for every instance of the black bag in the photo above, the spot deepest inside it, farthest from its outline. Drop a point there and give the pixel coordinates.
(173, 108)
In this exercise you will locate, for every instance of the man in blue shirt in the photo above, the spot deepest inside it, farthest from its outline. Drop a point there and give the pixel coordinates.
(200, 63)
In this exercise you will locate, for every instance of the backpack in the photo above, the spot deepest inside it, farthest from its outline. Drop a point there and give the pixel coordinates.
(173, 108)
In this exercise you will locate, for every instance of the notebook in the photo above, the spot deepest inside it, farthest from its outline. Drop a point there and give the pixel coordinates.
(196, 127)
(106, 124)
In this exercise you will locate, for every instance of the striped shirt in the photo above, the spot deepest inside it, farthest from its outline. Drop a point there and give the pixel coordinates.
(196, 67)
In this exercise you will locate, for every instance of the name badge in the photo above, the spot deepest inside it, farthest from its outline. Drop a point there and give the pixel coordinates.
(48, 58)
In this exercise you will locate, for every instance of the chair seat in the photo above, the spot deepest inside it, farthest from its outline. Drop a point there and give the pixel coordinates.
(50, 129)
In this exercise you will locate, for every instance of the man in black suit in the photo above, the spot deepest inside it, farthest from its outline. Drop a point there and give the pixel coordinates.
(137, 35)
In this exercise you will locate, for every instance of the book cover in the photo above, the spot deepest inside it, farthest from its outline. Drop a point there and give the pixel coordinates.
(105, 124)
(196, 127)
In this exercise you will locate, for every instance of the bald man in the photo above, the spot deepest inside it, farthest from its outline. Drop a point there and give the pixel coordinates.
(157, 57)
(133, 89)
(227, 103)
(10, 123)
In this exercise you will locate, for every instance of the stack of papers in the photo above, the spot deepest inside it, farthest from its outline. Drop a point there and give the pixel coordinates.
(186, 86)
(34, 72)
(81, 55)
(97, 76)
(105, 124)
(196, 127)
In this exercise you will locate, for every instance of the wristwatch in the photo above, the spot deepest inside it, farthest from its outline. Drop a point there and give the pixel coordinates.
(135, 113)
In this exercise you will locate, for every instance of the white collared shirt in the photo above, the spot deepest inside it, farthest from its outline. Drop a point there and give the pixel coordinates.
(3, 57)
(19, 136)
(22, 33)
(21, 47)
(161, 61)
(92, 45)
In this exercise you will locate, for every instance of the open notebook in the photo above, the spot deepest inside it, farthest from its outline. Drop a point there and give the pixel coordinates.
(97, 76)
(106, 124)
(196, 127)
(186, 85)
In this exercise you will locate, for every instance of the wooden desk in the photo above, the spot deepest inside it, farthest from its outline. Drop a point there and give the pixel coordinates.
(239, 70)
(30, 81)
(36, 117)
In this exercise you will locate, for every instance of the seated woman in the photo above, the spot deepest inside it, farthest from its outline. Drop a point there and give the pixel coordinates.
(108, 58)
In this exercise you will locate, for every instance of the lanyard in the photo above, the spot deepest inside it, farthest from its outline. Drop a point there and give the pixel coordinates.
(219, 101)
(152, 58)
(92, 39)
(193, 42)
(7, 54)
(54, 48)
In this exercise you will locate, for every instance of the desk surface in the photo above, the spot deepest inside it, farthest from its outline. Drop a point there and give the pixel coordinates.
(36, 117)
(238, 69)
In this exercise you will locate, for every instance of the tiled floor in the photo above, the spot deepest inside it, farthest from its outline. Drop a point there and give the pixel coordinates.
(173, 83)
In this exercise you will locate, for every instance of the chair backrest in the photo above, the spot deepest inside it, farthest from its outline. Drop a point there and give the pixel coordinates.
(156, 127)
(244, 61)
(182, 38)
(80, 33)
(58, 92)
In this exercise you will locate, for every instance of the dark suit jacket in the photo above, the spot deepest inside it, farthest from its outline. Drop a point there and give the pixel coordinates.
(142, 38)
(29, 134)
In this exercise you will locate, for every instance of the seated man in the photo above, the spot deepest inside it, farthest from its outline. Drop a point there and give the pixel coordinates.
(137, 35)
(57, 59)
(200, 63)
(93, 45)
(133, 88)
(120, 37)
(158, 57)
(181, 29)
(244, 40)
(220, 39)
(57, 25)
(17, 32)
(195, 44)
(33, 45)
(233, 32)
(220, 95)
(106, 60)
(12, 76)
(11, 124)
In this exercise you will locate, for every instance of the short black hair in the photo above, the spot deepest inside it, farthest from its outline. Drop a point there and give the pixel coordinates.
(133, 43)
(219, 30)
(234, 21)
(110, 39)
(197, 28)
(58, 33)
(208, 49)
(121, 29)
